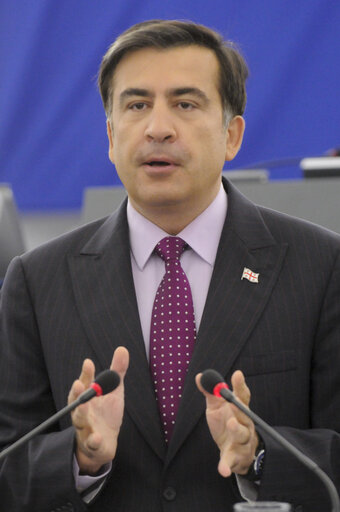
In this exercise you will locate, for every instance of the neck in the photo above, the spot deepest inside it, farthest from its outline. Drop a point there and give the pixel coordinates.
(172, 218)
(171, 224)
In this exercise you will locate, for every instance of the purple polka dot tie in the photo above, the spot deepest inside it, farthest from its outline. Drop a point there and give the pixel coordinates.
(173, 332)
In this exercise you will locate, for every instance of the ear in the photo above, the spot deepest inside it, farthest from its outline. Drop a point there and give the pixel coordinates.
(109, 131)
(235, 133)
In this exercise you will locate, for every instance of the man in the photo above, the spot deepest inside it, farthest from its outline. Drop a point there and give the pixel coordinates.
(265, 290)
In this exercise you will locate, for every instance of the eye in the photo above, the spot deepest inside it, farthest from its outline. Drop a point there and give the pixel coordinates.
(185, 105)
(138, 106)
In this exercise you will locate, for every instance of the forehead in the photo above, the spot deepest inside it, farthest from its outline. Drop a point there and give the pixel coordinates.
(167, 68)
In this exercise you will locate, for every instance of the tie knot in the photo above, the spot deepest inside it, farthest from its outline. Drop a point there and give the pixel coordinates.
(170, 248)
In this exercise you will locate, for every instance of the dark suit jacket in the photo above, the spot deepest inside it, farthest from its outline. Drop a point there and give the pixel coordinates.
(74, 298)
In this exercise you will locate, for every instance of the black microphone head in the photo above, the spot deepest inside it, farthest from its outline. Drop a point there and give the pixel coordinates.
(209, 379)
(108, 380)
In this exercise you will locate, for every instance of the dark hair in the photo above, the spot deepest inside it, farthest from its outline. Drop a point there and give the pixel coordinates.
(163, 34)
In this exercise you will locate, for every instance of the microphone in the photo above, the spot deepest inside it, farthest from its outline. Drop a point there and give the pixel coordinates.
(214, 383)
(105, 382)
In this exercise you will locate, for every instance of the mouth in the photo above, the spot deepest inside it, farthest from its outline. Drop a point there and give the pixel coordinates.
(159, 166)
(159, 163)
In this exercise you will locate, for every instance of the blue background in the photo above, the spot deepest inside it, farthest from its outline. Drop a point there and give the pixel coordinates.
(52, 129)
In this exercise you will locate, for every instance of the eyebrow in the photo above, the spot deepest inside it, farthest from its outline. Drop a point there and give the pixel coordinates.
(133, 91)
(182, 91)
(176, 91)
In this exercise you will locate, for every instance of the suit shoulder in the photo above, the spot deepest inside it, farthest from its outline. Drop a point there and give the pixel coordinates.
(72, 241)
(287, 228)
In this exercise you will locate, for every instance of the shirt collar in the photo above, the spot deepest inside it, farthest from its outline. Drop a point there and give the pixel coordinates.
(202, 234)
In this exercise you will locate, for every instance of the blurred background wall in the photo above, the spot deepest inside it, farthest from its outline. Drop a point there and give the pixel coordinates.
(52, 125)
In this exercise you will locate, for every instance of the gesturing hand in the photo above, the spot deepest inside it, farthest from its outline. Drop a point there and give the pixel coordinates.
(233, 432)
(97, 422)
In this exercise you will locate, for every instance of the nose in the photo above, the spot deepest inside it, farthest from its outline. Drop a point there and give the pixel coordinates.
(160, 125)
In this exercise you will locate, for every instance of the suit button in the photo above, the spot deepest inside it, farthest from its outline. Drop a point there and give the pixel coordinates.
(169, 494)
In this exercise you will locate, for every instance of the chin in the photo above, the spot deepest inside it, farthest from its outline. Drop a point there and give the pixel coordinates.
(161, 195)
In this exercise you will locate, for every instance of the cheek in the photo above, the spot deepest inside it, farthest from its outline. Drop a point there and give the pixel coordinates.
(212, 135)
(121, 148)
(212, 149)
(126, 140)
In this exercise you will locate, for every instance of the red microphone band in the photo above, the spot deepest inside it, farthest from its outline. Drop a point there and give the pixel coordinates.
(218, 387)
(97, 388)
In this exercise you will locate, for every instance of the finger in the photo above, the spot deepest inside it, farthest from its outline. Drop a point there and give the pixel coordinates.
(120, 361)
(80, 419)
(87, 373)
(83, 382)
(241, 417)
(76, 389)
(238, 453)
(242, 393)
(233, 462)
(198, 383)
(239, 433)
(93, 442)
(223, 468)
(240, 388)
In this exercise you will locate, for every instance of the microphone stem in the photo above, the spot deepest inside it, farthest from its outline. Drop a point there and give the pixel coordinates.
(230, 397)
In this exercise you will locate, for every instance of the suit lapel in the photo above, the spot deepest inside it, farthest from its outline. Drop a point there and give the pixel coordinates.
(233, 306)
(105, 296)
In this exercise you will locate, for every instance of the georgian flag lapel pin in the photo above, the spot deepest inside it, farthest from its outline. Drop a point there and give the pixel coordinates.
(250, 275)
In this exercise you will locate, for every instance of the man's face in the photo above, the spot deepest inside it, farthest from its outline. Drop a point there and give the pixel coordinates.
(167, 137)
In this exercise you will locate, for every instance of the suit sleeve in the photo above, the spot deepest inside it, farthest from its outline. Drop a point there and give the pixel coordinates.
(284, 478)
(28, 476)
